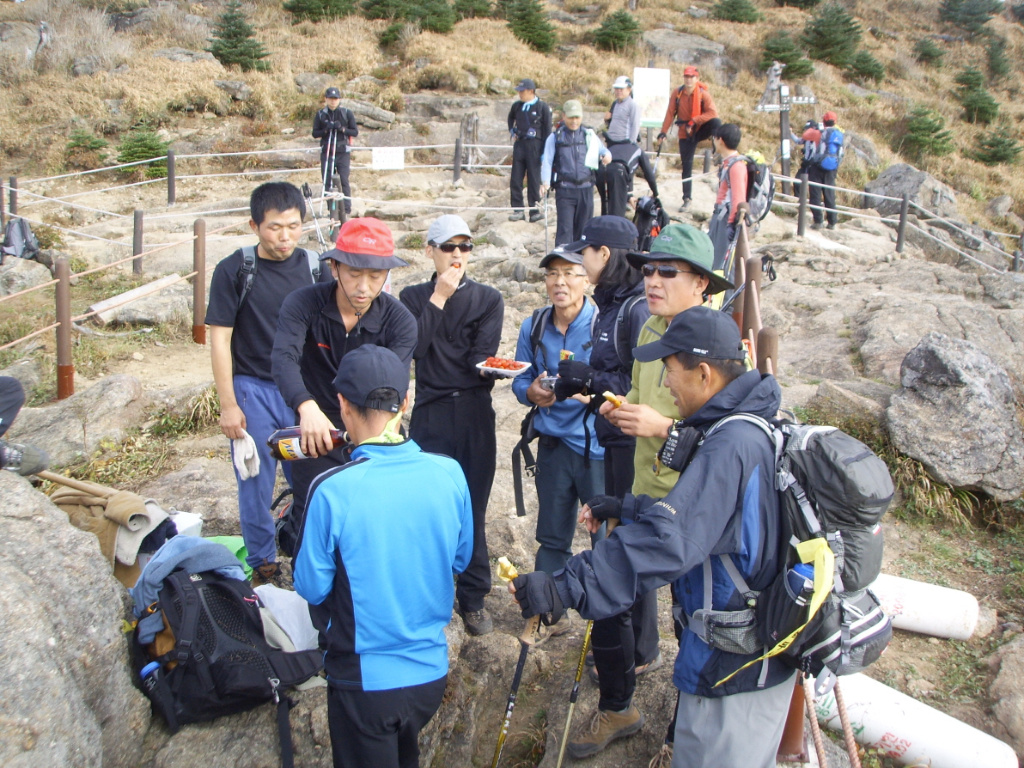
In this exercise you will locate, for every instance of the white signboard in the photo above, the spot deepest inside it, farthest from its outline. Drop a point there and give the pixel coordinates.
(651, 89)
(388, 158)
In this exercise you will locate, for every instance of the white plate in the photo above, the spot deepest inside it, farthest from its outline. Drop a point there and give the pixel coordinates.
(503, 372)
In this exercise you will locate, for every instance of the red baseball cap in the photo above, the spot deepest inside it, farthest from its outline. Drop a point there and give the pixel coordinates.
(365, 243)
(690, 71)
(828, 116)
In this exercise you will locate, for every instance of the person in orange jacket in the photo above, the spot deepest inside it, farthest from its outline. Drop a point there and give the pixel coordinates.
(692, 109)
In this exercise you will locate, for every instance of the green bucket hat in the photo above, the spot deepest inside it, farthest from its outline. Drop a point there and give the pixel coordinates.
(681, 242)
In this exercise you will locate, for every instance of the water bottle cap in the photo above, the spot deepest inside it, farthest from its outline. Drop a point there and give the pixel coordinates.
(147, 670)
(804, 569)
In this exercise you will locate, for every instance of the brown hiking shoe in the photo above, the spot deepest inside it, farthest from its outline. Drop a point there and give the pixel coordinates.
(268, 573)
(535, 633)
(663, 759)
(606, 727)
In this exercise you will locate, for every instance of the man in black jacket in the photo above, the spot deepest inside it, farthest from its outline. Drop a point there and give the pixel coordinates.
(321, 323)
(459, 326)
(529, 123)
(335, 126)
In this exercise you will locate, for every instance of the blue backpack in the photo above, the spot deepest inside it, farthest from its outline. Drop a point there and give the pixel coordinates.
(832, 139)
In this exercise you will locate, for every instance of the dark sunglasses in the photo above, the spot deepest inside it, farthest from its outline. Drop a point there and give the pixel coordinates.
(450, 247)
(664, 270)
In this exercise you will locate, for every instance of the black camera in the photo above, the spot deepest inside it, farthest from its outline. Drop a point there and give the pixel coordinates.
(680, 446)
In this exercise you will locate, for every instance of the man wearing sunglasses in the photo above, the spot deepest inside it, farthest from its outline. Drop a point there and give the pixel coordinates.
(459, 325)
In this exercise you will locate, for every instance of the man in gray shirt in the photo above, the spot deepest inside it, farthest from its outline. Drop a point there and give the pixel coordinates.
(623, 118)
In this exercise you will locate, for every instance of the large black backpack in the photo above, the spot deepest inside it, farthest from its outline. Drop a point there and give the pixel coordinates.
(218, 662)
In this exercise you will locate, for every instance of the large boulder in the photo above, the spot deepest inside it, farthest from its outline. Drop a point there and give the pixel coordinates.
(73, 428)
(684, 48)
(957, 414)
(184, 55)
(314, 83)
(68, 697)
(19, 274)
(923, 189)
(1007, 690)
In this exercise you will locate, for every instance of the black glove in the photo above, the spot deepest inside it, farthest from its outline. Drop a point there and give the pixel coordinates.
(574, 377)
(602, 507)
(662, 136)
(536, 594)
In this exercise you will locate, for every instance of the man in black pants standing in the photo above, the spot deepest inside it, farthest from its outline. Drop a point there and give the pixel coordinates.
(334, 126)
(529, 123)
(692, 109)
(459, 325)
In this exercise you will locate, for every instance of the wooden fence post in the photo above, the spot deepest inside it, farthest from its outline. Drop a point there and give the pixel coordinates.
(902, 229)
(170, 177)
(65, 363)
(707, 161)
(801, 216)
(457, 163)
(768, 351)
(137, 242)
(12, 200)
(199, 281)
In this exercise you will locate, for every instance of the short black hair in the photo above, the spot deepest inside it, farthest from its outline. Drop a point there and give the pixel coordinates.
(730, 370)
(382, 396)
(828, 123)
(618, 271)
(275, 196)
(730, 134)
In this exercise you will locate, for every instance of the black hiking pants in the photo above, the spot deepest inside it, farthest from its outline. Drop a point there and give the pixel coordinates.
(614, 184)
(630, 639)
(525, 162)
(687, 148)
(342, 165)
(12, 397)
(817, 195)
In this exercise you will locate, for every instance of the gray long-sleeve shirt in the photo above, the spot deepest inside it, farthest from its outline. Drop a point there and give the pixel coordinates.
(625, 122)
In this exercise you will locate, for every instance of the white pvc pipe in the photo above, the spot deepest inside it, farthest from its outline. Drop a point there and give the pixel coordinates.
(926, 608)
(911, 732)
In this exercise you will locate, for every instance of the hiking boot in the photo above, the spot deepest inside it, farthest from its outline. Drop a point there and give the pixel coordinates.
(649, 666)
(535, 216)
(516, 216)
(816, 225)
(268, 573)
(536, 633)
(23, 459)
(686, 205)
(663, 759)
(477, 622)
(606, 727)
(831, 226)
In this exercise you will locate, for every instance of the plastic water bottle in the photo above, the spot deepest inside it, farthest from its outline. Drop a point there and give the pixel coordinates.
(800, 579)
(150, 674)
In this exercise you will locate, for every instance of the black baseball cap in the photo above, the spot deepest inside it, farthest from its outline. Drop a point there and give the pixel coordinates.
(369, 368)
(526, 84)
(699, 331)
(611, 231)
(332, 93)
(561, 252)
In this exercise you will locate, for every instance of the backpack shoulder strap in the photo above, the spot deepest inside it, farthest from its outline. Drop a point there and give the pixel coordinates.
(314, 263)
(246, 273)
(540, 320)
(623, 347)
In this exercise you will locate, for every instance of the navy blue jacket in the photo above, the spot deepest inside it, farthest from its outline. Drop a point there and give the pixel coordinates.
(724, 503)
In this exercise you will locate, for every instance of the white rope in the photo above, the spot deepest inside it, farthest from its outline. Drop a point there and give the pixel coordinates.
(98, 191)
(253, 152)
(952, 225)
(43, 198)
(953, 248)
(244, 173)
(95, 170)
(74, 232)
(196, 214)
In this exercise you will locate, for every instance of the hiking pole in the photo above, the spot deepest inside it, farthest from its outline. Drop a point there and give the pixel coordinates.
(308, 193)
(332, 142)
(575, 692)
(507, 572)
(546, 221)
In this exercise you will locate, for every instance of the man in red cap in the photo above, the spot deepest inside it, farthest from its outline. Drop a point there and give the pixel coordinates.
(822, 170)
(693, 110)
(319, 324)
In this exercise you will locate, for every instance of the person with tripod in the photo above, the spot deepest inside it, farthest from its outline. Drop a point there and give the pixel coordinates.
(335, 126)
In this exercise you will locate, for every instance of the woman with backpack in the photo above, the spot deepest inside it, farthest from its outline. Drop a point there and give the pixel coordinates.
(628, 643)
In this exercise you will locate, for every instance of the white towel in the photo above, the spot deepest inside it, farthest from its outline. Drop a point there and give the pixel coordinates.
(243, 453)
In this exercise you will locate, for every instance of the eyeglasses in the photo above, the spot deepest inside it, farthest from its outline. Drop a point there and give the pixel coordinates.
(450, 247)
(664, 270)
(554, 274)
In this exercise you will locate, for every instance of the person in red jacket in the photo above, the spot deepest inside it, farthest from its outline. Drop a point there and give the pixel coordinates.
(692, 109)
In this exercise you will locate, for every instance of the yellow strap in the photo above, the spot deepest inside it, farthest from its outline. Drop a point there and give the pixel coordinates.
(815, 551)
(390, 435)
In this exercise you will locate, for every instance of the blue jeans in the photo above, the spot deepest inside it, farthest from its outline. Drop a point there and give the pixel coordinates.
(564, 484)
(265, 411)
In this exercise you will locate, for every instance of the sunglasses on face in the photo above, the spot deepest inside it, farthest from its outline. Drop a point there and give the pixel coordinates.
(450, 247)
(664, 270)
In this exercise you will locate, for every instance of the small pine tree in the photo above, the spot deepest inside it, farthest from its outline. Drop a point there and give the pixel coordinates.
(391, 35)
(925, 136)
(998, 62)
(319, 10)
(998, 148)
(832, 35)
(979, 106)
(434, 16)
(805, 4)
(142, 144)
(927, 52)
(780, 47)
(529, 23)
(969, 79)
(618, 31)
(387, 9)
(863, 67)
(971, 16)
(84, 150)
(473, 9)
(742, 11)
(234, 41)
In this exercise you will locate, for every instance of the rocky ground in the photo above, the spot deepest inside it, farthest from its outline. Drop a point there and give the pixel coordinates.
(847, 309)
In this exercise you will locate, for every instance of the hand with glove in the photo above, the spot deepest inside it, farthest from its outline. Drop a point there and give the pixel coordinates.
(574, 378)
(599, 509)
(536, 594)
(661, 137)
(243, 453)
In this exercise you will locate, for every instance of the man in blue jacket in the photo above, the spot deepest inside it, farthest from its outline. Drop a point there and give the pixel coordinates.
(382, 538)
(570, 460)
(722, 515)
